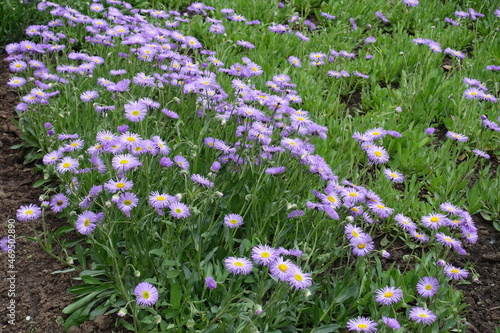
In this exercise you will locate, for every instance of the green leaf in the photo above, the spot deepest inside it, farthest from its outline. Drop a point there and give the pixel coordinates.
(326, 328)
(176, 295)
(80, 303)
(127, 325)
(41, 182)
(64, 271)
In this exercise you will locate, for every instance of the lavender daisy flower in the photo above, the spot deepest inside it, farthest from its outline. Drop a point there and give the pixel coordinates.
(388, 295)
(28, 213)
(296, 213)
(281, 268)
(135, 111)
(456, 136)
(362, 324)
(377, 154)
(16, 82)
(423, 238)
(85, 222)
(427, 286)
(454, 53)
(392, 323)
(179, 210)
(410, 3)
(434, 221)
(362, 245)
(275, 170)
(264, 255)
(422, 315)
(67, 164)
(448, 241)
(203, 181)
(298, 279)
(126, 202)
(394, 176)
(233, 220)
(455, 273)
(181, 162)
(380, 209)
(382, 17)
(210, 282)
(481, 153)
(6, 243)
(58, 203)
(125, 162)
(236, 265)
(146, 293)
(295, 61)
(473, 93)
(89, 95)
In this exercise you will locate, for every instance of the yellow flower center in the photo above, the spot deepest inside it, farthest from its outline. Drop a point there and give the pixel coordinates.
(298, 277)
(455, 271)
(378, 154)
(127, 202)
(160, 198)
(283, 267)
(265, 254)
(354, 233)
(123, 161)
(361, 246)
(434, 219)
(331, 199)
(28, 212)
(381, 206)
(362, 326)
(120, 185)
(428, 287)
(146, 295)
(422, 315)
(233, 221)
(86, 223)
(66, 165)
(238, 263)
(135, 113)
(388, 294)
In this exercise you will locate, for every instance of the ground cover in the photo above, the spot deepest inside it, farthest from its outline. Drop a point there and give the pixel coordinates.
(197, 207)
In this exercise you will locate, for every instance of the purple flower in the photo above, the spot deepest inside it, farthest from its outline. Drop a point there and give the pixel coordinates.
(280, 268)
(233, 220)
(245, 44)
(362, 324)
(457, 136)
(7, 243)
(126, 202)
(181, 162)
(58, 203)
(392, 323)
(298, 279)
(481, 153)
(388, 295)
(422, 315)
(67, 164)
(394, 176)
(125, 162)
(264, 255)
(179, 210)
(382, 17)
(86, 222)
(410, 3)
(427, 286)
(89, 95)
(430, 131)
(455, 273)
(210, 282)
(238, 265)
(275, 170)
(200, 180)
(146, 293)
(28, 213)
(377, 154)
